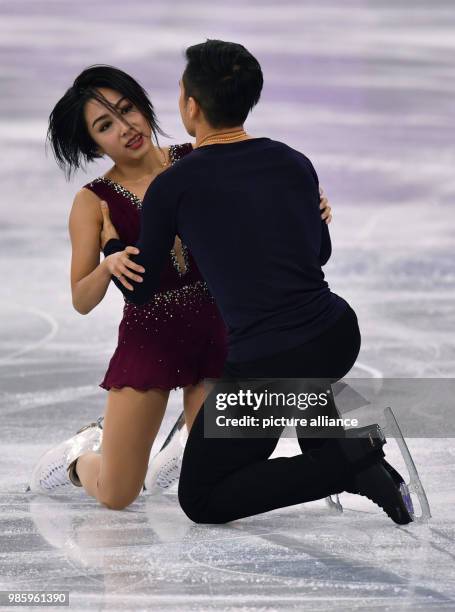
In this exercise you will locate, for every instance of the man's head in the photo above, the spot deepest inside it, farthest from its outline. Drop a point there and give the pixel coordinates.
(221, 83)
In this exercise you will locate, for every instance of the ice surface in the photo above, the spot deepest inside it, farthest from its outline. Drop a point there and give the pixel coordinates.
(366, 90)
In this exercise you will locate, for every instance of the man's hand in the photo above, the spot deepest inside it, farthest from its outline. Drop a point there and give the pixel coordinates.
(108, 230)
(120, 266)
(325, 207)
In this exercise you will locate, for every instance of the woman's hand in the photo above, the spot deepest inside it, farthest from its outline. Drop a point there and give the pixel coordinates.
(120, 265)
(108, 230)
(325, 207)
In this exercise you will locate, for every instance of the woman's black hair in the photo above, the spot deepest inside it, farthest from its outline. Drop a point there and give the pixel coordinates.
(67, 132)
(225, 79)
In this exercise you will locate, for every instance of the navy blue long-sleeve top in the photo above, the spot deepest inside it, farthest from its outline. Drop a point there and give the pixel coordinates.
(249, 213)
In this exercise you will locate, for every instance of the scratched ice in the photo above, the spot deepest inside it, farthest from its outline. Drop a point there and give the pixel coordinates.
(366, 90)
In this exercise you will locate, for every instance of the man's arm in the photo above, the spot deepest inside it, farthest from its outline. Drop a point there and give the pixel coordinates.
(326, 245)
(158, 231)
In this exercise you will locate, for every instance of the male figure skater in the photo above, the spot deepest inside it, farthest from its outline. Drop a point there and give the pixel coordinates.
(248, 210)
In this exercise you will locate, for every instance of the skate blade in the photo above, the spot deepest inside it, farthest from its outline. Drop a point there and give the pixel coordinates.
(421, 508)
(407, 500)
(180, 422)
(96, 423)
(414, 486)
(334, 505)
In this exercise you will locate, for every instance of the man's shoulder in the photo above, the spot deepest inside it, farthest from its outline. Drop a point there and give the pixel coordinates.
(290, 151)
(295, 158)
(189, 167)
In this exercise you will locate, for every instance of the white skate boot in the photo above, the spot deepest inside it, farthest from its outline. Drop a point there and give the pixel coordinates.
(164, 468)
(54, 472)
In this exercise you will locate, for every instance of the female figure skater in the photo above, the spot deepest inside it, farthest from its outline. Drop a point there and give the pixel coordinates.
(177, 339)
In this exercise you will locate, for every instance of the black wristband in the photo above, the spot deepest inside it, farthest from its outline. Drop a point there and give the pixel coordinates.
(114, 245)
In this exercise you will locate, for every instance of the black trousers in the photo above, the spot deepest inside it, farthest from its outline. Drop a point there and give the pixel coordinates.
(224, 479)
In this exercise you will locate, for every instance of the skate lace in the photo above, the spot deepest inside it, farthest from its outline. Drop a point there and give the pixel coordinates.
(54, 476)
(169, 473)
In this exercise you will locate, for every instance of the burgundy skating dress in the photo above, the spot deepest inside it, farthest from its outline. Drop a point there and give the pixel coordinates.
(177, 338)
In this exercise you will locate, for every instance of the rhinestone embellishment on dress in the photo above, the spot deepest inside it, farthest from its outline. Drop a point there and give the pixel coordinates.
(123, 191)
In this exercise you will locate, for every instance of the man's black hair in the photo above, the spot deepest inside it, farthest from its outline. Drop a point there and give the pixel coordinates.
(67, 132)
(225, 79)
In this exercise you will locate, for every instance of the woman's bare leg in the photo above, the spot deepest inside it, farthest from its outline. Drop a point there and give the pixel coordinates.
(131, 422)
(193, 398)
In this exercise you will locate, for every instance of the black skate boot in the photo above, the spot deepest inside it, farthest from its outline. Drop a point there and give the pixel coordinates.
(375, 430)
(380, 482)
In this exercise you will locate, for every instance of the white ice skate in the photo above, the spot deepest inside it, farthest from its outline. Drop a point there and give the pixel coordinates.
(54, 472)
(164, 468)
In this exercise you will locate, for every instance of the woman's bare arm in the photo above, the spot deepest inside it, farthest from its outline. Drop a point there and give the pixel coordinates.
(89, 278)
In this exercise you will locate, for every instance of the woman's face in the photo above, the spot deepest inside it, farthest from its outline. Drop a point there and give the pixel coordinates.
(123, 137)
